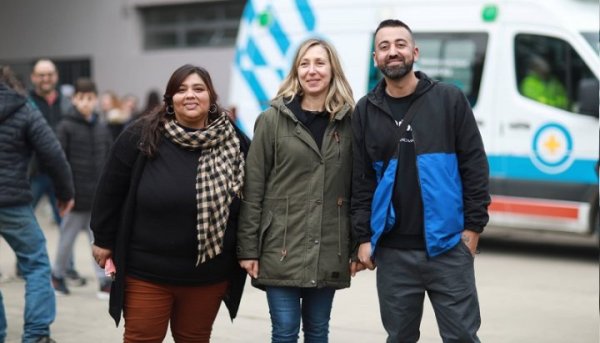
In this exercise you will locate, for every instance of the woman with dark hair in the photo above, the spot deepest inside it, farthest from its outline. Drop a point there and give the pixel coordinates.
(166, 213)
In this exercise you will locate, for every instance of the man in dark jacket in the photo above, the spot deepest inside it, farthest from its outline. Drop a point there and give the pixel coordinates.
(22, 132)
(419, 195)
(54, 106)
(51, 103)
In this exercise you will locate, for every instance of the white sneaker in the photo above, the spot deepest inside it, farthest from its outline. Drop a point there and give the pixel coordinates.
(103, 295)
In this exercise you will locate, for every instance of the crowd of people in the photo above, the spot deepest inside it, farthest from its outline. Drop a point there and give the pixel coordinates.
(180, 206)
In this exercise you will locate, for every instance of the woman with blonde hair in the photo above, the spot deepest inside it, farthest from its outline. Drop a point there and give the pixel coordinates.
(294, 228)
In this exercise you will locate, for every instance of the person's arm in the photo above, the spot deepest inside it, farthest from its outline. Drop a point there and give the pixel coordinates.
(259, 163)
(474, 171)
(62, 134)
(51, 156)
(112, 189)
(363, 186)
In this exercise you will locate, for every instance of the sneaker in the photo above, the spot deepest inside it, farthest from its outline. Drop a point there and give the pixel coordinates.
(60, 287)
(45, 339)
(104, 292)
(74, 279)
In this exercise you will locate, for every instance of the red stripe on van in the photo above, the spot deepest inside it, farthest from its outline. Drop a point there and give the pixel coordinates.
(537, 208)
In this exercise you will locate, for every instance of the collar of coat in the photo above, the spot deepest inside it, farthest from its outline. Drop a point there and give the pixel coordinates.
(282, 105)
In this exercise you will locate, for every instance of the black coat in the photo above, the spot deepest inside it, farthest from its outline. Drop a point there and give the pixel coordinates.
(53, 113)
(113, 215)
(23, 131)
(86, 144)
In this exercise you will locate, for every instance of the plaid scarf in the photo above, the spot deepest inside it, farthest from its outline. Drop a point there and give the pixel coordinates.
(220, 178)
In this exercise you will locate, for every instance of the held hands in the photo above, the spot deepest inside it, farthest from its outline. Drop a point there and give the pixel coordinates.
(356, 267)
(364, 259)
(364, 255)
(251, 267)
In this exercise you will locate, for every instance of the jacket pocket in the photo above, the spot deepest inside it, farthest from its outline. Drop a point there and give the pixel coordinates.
(264, 228)
(343, 228)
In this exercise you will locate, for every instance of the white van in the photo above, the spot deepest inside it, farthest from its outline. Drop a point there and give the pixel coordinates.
(543, 149)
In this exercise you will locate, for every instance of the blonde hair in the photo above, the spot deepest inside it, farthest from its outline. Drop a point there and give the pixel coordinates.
(339, 92)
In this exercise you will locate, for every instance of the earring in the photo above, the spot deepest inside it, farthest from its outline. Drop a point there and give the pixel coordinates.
(212, 109)
(170, 109)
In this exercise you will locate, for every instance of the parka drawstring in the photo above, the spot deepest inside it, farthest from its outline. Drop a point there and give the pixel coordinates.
(276, 141)
(285, 227)
(340, 201)
(287, 200)
(336, 135)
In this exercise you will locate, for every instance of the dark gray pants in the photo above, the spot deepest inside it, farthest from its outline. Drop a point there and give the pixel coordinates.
(403, 277)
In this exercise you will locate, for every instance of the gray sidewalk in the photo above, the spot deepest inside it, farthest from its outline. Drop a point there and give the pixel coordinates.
(525, 296)
(82, 317)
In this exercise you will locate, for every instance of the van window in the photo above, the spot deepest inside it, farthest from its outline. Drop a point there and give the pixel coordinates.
(550, 71)
(594, 39)
(455, 58)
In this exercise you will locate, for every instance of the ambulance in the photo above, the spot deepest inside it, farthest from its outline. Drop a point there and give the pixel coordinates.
(542, 145)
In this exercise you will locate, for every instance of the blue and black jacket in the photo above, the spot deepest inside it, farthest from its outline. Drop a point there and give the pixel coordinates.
(451, 164)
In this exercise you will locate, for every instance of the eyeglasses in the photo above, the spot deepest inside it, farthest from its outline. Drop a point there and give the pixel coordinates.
(44, 75)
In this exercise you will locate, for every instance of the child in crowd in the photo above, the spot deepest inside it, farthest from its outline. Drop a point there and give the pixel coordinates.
(86, 142)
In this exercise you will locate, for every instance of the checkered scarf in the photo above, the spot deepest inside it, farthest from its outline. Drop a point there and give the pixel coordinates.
(220, 178)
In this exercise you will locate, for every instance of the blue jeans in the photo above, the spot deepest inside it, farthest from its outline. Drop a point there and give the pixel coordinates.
(288, 304)
(23, 234)
(41, 184)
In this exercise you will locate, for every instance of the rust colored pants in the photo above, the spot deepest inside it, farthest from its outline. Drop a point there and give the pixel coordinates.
(191, 311)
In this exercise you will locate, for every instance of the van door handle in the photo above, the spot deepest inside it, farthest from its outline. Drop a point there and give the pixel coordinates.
(479, 122)
(519, 125)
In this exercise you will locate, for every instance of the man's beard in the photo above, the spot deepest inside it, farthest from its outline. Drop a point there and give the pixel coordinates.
(397, 72)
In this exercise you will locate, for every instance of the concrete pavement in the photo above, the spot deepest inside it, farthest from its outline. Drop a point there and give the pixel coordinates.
(525, 297)
(81, 317)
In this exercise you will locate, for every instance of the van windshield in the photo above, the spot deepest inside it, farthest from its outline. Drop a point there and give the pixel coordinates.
(594, 39)
(455, 58)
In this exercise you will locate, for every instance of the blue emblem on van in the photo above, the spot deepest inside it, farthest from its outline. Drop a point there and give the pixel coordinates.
(552, 148)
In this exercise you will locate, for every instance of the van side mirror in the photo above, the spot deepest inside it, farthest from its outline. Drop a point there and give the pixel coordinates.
(588, 97)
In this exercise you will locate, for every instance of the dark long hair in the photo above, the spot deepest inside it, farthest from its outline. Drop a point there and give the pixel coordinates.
(152, 124)
(8, 77)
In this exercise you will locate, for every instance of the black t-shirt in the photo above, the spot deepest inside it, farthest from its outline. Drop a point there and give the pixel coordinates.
(164, 242)
(407, 233)
(315, 121)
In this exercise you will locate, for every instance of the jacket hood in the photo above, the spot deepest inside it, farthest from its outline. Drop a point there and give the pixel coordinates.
(425, 84)
(10, 101)
(283, 106)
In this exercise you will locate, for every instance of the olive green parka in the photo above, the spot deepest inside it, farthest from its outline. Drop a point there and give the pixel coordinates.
(295, 214)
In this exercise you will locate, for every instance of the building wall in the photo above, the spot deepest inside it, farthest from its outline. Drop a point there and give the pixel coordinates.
(109, 33)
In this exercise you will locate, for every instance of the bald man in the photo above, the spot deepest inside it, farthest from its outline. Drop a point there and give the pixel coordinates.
(53, 105)
(44, 78)
(48, 100)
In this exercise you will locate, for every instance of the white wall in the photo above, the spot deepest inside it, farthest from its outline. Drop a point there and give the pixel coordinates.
(108, 32)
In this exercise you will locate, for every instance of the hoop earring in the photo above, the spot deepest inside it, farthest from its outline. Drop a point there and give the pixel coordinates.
(212, 109)
(170, 110)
